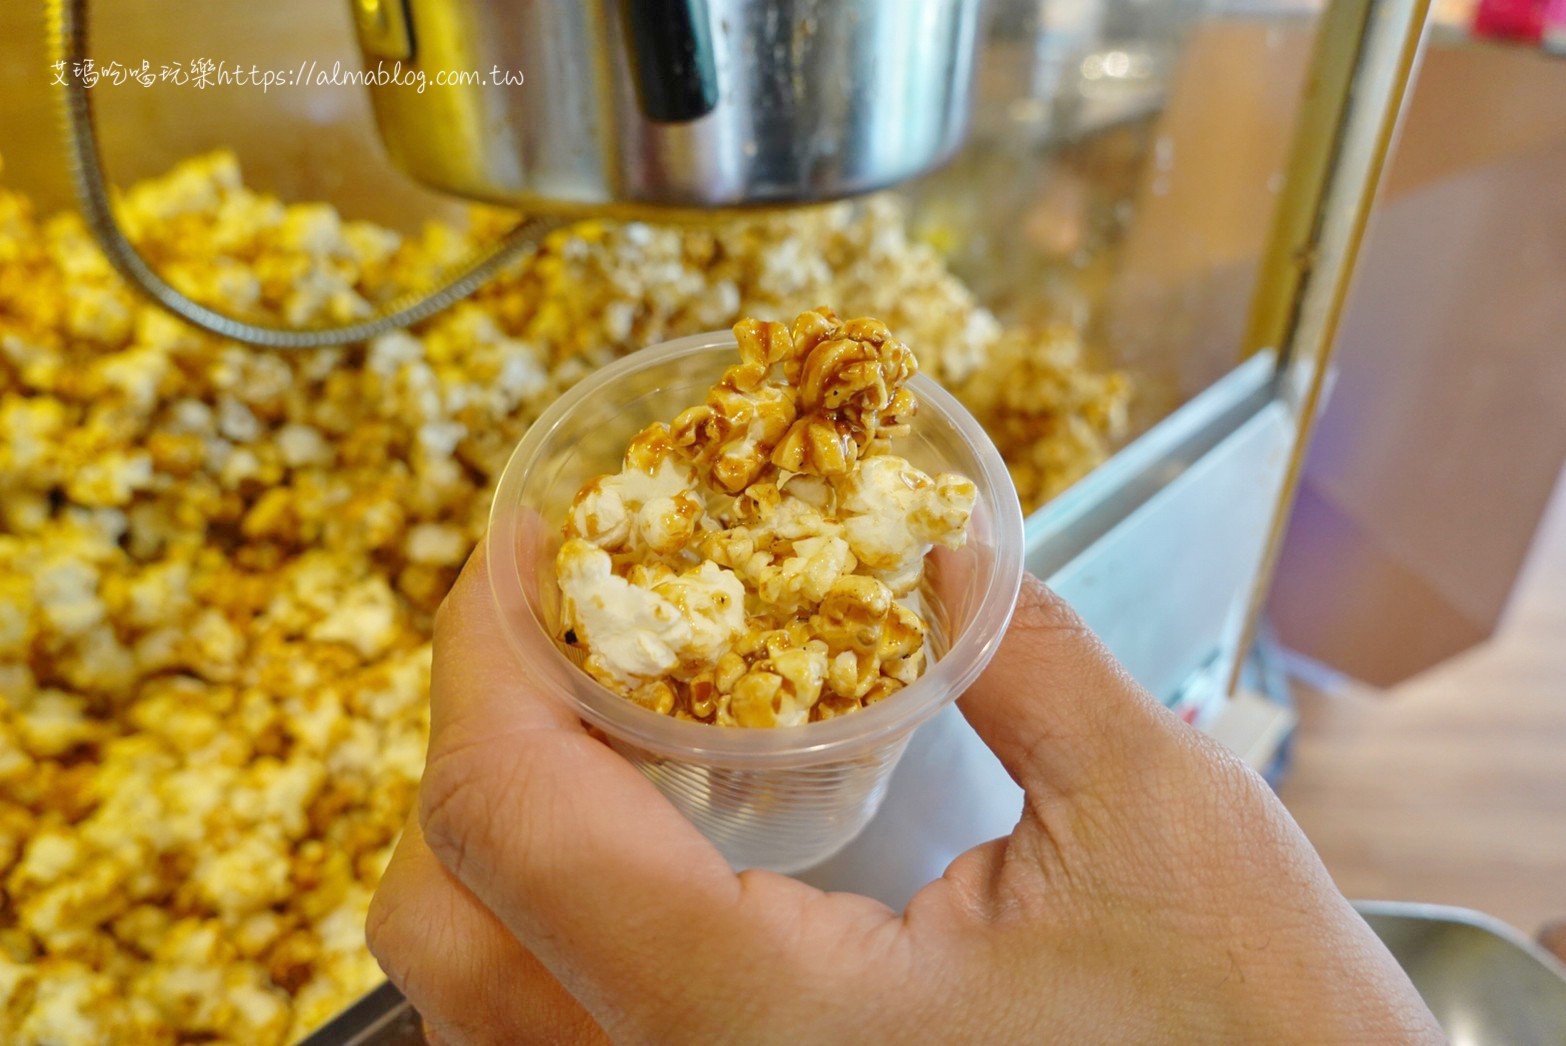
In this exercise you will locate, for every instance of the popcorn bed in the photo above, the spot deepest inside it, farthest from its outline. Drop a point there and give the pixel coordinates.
(219, 565)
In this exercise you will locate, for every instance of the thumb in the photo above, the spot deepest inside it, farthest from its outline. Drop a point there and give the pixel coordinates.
(1055, 706)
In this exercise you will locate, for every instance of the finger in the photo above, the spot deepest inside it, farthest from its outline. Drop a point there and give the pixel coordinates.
(466, 975)
(1055, 706)
(577, 853)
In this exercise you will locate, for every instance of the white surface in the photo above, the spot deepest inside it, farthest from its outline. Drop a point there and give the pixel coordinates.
(949, 793)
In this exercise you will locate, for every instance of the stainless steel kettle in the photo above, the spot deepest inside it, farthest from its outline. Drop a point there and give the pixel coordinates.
(659, 106)
(673, 103)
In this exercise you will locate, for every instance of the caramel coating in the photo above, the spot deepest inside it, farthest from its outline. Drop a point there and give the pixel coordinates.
(796, 520)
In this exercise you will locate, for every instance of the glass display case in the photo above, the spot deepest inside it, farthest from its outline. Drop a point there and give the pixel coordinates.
(220, 562)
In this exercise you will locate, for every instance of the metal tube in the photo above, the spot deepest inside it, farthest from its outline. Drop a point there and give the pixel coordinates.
(68, 42)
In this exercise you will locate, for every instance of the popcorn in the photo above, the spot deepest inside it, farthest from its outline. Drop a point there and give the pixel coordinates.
(810, 528)
(71, 1003)
(66, 593)
(639, 633)
(712, 602)
(54, 722)
(219, 565)
(893, 510)
(366, 619)
(50, 855)
(1051, 417)
(248, 877)
(807, 574)
(437, 544)
(302, 446)
(651, 504)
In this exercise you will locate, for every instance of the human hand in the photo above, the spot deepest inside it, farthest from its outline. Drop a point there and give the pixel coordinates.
(1154, 888)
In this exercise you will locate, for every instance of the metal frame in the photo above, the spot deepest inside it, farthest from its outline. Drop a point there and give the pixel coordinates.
(1365, 56)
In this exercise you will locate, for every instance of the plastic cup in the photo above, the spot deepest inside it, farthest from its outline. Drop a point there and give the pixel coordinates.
(784, 798)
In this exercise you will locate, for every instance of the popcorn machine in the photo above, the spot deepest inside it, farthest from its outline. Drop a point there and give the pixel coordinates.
(244, 448)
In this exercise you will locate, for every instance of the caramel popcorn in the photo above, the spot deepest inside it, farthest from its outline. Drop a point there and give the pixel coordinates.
(1051, 416)
(764, 550)
(219, 565)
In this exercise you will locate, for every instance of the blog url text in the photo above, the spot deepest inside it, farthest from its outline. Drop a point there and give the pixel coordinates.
(204, 73)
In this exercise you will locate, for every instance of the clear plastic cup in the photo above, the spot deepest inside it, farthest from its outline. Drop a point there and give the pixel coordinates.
(783, 798)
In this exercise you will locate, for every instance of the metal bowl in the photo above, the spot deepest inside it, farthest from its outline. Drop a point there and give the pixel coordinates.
(670, 103)
(1484, 981)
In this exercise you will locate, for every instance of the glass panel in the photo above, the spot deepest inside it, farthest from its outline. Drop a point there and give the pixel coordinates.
(1115, 194)
(1121, 179)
